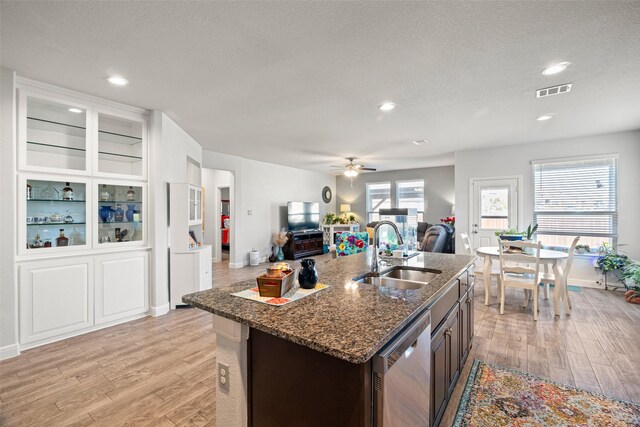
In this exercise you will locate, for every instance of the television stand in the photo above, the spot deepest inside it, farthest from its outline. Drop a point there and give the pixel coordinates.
(301, 244)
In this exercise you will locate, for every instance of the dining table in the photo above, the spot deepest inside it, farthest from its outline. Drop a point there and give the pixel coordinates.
(548, 258)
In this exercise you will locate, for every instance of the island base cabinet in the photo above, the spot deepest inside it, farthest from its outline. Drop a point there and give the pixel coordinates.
(445, 363)
(56, 298)
(293, 385)
(466, 325)
(122, 286)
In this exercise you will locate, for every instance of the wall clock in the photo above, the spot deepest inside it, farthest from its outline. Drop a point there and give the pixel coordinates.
(326, 194)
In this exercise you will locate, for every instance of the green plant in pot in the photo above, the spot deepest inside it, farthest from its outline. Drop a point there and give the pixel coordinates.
(510, 234)
(329, 219)
(630, 276)
(530, 231)
(611, 261)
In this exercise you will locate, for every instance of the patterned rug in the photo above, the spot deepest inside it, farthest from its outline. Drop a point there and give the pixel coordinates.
(496, 396)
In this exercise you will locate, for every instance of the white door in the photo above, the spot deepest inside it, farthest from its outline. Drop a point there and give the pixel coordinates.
(494, 207)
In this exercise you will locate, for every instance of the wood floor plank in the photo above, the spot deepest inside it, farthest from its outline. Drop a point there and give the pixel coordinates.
(609, 381)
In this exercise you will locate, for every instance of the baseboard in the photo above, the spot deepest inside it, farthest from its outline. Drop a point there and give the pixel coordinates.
(159, 311)
(236, 264)
(583, 283)
(9, 351)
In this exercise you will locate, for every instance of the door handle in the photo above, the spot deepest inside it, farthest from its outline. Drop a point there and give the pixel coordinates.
(447, 332)
(475, 231)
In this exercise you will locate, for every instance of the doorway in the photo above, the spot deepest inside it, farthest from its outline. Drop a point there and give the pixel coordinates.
(496, 205)
(219, 212)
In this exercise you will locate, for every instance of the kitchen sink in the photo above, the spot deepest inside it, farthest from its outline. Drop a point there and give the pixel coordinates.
(392, 283)
(414, 274)
(407, 278)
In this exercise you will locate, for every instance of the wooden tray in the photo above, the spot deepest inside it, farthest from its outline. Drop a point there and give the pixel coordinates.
(275, 287)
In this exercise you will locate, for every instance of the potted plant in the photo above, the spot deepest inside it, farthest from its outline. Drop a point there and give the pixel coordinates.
(352, 219)
(610, 261)
(510, 234)
(631, 278)
(450, 220)
(329, 218)
(583, 249)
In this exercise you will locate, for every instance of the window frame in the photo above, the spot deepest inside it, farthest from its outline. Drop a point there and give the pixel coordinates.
(420, 213)
(368, 199)
(613, 213)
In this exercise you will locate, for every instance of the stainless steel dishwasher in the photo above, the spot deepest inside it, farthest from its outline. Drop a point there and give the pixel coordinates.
(401, 377)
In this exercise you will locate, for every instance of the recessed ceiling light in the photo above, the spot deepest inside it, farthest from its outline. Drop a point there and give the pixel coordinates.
(387, 106)
(118, 81)
(545, 117)
(555, 68)
(420, 142)
(75, 110)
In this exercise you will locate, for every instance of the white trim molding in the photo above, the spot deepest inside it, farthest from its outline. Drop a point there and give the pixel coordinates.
(9, 351)
(160, 310)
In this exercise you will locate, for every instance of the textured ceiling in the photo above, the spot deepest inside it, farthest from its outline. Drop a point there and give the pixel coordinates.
(299, 83)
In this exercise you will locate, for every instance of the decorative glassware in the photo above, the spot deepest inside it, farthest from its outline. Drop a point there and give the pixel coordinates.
(61, 240)
(67, 192)
(280, 256)
(29, 191)
(105, 213)
(37, 243)
(131, 194)
(119, 213)
(68, 218)
(104, 194)
(130, 212)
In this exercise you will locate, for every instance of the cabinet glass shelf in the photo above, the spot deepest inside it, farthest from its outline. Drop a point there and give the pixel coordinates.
(56, 200)
(118, 201)
(124, 138)
(119, 222)
(119, 217)
(56, 223)
(79, 152)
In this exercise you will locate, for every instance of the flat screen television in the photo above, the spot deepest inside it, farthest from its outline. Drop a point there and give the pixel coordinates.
(303, 216)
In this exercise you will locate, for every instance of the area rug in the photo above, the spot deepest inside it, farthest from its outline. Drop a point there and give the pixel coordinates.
(496, 396)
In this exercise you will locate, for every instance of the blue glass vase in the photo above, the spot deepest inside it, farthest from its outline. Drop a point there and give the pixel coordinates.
(280, 256)
(105, 212)
(129, 213)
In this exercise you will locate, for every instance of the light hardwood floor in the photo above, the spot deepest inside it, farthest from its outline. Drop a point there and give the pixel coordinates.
(161, 371)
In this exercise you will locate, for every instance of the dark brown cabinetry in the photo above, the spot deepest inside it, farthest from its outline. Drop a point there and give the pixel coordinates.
(301, 245)
(451, 342)
(445, 363)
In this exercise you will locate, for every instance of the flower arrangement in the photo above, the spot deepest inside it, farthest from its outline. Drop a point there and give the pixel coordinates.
(280, 238)
(450, 220)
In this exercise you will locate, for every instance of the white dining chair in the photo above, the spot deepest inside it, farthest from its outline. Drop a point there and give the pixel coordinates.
(548, 278)
(468, 250)
(519, 276)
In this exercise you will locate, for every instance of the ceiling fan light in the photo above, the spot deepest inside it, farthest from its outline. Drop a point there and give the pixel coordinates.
(351, 173)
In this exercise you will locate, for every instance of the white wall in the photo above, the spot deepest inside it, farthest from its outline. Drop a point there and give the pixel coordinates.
(516, 160)
(439, 190)
(169, 148)
(264, 190)
(213, 179)
(8, 288)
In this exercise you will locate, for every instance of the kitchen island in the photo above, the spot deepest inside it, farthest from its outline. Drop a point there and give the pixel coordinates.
(309, 362)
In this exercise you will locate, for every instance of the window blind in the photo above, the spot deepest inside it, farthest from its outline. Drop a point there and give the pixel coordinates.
(378, 196)
(576, 197)
(410, 194)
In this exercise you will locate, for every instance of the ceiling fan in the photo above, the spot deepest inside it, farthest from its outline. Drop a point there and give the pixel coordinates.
(351, 169)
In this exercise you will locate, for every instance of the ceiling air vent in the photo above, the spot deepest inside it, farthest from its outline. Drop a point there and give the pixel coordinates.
(553, 90)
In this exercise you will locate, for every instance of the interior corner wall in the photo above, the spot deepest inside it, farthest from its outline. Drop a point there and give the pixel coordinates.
(516, 160)
(261, 192)
(8, 238)
(169, 148)
(439, 190)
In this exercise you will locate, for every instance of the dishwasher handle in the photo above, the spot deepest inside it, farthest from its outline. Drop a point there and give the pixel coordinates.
(401, 345)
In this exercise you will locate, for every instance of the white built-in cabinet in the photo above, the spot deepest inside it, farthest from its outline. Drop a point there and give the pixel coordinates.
(190, 265)
(98, 274)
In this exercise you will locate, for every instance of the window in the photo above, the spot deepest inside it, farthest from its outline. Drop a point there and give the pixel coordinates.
(378, 196)
(410, 194)
(494, 208)
(576, 197)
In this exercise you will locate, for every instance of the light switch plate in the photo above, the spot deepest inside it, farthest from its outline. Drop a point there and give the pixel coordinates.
(223, 376)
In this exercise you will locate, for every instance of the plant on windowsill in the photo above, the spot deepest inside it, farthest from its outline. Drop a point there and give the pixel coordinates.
(583, 249)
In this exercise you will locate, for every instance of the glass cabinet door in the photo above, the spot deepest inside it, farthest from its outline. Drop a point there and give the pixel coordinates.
(192, 204)
(56, 214)
(199, 204)
(120, 213)
(56, 135)
(120, 145)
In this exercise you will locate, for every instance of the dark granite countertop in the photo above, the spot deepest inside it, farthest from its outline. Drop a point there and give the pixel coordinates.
(349, 320)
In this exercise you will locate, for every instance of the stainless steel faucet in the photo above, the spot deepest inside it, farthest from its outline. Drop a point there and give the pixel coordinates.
(375, 269)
